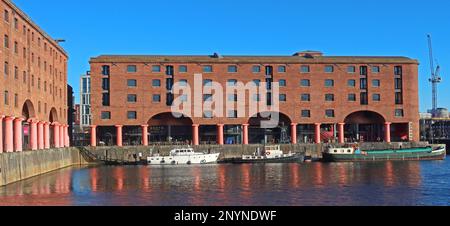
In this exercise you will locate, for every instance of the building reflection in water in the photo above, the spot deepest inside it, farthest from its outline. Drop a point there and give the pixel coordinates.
(215, 184)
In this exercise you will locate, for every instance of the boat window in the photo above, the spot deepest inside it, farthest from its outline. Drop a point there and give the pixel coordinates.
(349, 151)
(335, 151)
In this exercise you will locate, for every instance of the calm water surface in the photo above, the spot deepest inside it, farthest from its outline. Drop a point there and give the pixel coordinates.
(387, 183)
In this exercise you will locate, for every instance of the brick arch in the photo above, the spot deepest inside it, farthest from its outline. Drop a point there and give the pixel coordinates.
(260, 117)
(365, 117)
(53, 116)
(169, 118)
(28, 110)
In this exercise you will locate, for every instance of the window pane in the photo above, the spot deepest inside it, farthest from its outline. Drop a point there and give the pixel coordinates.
(351, 69)
(305, 83)
(306, 97)
(329, 69)
(282, 83)
(329, 97)
(232, 69)
(306, 113)
(156, 98)
(132, 115)
(351, 83)
(132, 83)
(256, 69)
(132, 68)
(183, 69)
(283, 97)
(352, 97)
(376, 83)
(156, 68)
(282, 69)
(156, 83)
(304, 69)
(207, 69)
(376, 97)
(376, 69)
(329, 83)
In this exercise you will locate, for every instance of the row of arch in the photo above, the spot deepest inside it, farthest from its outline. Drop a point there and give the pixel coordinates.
(357, 126)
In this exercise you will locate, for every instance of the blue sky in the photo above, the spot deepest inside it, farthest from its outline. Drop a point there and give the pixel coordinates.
(272, 27)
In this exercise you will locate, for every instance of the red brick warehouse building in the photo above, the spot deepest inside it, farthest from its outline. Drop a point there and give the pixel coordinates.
(33, 85)
(322, 99)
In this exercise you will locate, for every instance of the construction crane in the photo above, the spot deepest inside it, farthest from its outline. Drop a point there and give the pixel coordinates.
(435, 78)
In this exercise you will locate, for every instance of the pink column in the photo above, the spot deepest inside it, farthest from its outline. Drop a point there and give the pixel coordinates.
(40, 138)
(56, 134)
(245, 134)
(145, 135)
(387, 128)
(33, 134)
(1, 133)
(195, 135)
(341, 133)
(220, 138)
(61, 136)
(18, 134)
(294, 133)
(93, 136)
(318, 138)
(9, 134)
(67, 136)
(119, 135)
(47, 135)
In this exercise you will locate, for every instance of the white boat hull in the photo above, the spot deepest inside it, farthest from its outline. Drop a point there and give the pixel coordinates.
(184, 160)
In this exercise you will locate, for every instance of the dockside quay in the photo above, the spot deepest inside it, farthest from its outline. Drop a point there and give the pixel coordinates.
(315, 99)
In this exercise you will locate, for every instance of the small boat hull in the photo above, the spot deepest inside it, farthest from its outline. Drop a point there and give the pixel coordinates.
(388, 156)
(184, 160)
(297, 158)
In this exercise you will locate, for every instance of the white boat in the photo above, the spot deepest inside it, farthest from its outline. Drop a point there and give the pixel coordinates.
(183, 156)
(270, 154)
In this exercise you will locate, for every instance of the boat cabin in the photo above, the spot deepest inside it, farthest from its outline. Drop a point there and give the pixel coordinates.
(181, 152)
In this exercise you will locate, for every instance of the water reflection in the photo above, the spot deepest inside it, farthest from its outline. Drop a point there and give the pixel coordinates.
(389, 183)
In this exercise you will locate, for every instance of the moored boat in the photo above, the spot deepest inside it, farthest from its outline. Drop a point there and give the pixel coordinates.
(354, 154)
(270, 154)
(183, 156)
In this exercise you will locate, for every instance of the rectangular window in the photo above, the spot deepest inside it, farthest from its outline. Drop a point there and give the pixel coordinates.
(169, 70)
(351, 83)
(16, 100)
(283, 98)
(156, 83)
(16, 47)
(282, 83)
(105, 84)
(156, 98)
(156, 68)
(183, 83)
(329, 69)
(305, 69)
(398, 98)
(106, 115)
(132, 98)
(351, 69)
(6, 98)
(105, 99)
(398, 70)
(329, 83)
(399, 113)
(306, 97)
(232, 82)
(232, 97)
(376, 69)
(207, 69)
(6, 68)
(183, 69)
(376, 97)
(329, 113)
(352, 97)
(132, 115)
(232, 69)
(282, 69)
(329, 97)
(105, 70)
(306, 114)
(207, 97)
(131, 68)
(305, 83)
(398, 83)
(6, 15)
(6, 41)
(363, 70)
(364, 99)
(207, 82)
(232, 114)
(132, 83)
(207, 114)
(376, 83)
(363, 83)
(256, 69)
